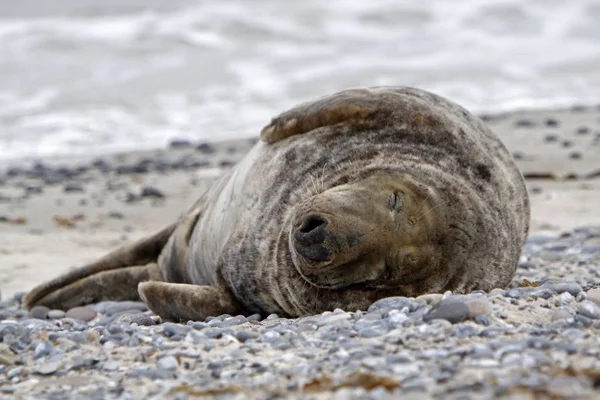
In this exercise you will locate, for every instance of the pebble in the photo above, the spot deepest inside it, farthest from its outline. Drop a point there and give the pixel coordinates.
(42, 350)
(47, 368)
(149, 191)
(39, 312)
(73, 188)
(168, 363)
(451, 310)
(81, 313)
(56, 314)
(594, 295)
(589, 309)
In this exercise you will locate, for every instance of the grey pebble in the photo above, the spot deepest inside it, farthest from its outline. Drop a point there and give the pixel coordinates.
(39, 312)
(168, 363)
(56, 314)
(73, 188)
(244, 335)
(85, 314)
(451, 310)
(47, 368)
(270, 336)
(171, 329)
(589, 309)
(16, 371)
(42, 349)
(149, 191)
(397, 303)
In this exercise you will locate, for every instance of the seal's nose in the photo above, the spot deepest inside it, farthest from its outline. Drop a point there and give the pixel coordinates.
(310, 236)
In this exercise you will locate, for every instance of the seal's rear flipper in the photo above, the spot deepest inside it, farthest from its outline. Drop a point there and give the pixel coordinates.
(113, 277)
(352, 104)
(183, 302)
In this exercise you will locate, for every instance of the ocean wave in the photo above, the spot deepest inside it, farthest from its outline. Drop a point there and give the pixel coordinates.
(79, 80)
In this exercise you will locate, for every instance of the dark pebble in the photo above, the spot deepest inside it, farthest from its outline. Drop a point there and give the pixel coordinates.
(39, 312)
(242, 336)
(575, 155)
(150, 191)
(34, 189)
(524, 123)
(73, 188)
(205, 148)
(551, 138)
(180, 143)
(171, 329)
(552, 122)
(567, 143)
(226, 163)
(582, 130)
(115, 215)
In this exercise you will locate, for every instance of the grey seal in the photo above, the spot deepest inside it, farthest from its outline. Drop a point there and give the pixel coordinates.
(347, 199)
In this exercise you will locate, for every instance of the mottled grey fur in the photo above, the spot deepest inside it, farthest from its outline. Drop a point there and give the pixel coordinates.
(467, 224)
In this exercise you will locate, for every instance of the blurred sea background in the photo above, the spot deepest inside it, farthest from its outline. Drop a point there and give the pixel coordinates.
(87, 77)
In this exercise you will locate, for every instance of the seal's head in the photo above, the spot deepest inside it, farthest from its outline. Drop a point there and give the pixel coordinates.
(376, 232)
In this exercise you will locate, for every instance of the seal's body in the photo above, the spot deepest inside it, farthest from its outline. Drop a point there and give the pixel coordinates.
(357, 196)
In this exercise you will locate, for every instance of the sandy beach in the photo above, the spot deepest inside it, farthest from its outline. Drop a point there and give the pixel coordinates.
(51, 222)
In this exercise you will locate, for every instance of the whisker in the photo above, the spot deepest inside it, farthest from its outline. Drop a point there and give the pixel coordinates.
(431, 209)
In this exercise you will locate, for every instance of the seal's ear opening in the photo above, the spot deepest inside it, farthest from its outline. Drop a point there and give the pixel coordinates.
(352, 104)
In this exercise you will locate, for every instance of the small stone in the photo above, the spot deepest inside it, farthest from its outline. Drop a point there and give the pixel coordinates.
(575, 155)
(394, 303)
(116, 215)
(524, 123)
(270, 336)
(582, 130)
(39, 312)
(558, 315)
(73, 188)
(47, 368)
(479, 307)
(567, 143)
(552, 122)
(42, 350)
(153, 192)
(449, 309)
(242, 336)
(16, 371)
(594, 295)
(551, 138)
(180, 143)
(168, 363)
(110, 308)
(589, 309)
(84, 314)
(56, 314)
(34, 189)
(171, 329)
(205, 148)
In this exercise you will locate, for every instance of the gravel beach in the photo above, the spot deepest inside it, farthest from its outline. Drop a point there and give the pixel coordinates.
(537, 338)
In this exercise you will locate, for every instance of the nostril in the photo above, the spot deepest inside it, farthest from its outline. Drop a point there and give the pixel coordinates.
(311, 223)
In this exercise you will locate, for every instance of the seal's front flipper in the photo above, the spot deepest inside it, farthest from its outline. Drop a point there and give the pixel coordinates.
(118, 285)
(113, 277)
(183, 302)
(349, 105)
